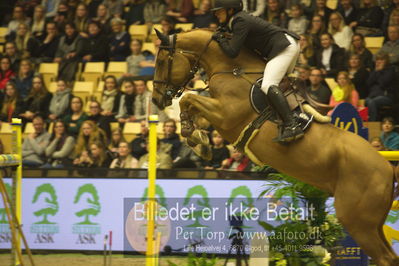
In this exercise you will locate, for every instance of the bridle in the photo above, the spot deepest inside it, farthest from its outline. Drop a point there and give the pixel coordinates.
(176, 90)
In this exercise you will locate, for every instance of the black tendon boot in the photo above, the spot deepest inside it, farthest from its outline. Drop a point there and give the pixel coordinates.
(290, 128)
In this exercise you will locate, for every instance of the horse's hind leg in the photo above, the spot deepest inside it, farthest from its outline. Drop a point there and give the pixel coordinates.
(363, 215)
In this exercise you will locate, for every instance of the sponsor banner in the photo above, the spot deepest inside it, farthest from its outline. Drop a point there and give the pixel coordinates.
(75, 214)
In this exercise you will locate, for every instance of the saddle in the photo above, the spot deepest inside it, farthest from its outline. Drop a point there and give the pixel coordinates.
(295, 100)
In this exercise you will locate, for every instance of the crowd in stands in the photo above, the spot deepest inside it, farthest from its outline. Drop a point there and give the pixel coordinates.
(335, 63)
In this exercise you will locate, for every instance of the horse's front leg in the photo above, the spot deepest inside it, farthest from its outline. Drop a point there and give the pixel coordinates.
(191, 115)
(206, 107)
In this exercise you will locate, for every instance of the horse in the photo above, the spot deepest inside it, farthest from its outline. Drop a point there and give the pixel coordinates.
(331, 159)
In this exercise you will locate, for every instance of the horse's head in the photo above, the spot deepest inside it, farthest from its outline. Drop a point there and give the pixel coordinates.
(173, 70)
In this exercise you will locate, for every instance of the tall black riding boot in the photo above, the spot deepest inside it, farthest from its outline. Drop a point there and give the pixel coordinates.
(291, 130)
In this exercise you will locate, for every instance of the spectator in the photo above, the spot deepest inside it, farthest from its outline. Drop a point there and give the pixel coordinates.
(111, 97)
(389, 137)
(359, 47)
(62, 17)
(23, 81)
(82, 20)
(219, 152)
(104, 18)
(358, 75)
(6, 72)
(139, 143)
(125, 159)
(18, 17)
(38, 22)
(317, 89)
(92, 7)
(100, 120)
(47, 45)
(180, 11)
(170, 137)
(275, 14)
(255, 8)
(69, 53)
(120, 41)
(89, 133)
(51, 7)
(133, 60)
(298, 22)
(316, 29)
(75, 119)
(12, 53)
(143, 105)
(35, 144)
(135, 15)
(323, 11)
(154, 10)
(390, 13)
(304, 74)
(381, 85)
(115, 7)
(330, 58)
(97, 157)
(391, 47)
(25, 43)
(237, 162)
(203, 17)
(60, 148)
(393, 18)
(369, 19)
(341, 33)
(348, 11)
(306, 50)
(147, 66)
(116, 138)
(345, 91)
(126, 106)
(376, 143)
(186, 158)
(97, 44)
(168, 26)
(61, 101)
(164, 161)
(38, 100)
(10, 103)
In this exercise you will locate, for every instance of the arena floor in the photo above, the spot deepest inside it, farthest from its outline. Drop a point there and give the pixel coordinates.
(78, 259)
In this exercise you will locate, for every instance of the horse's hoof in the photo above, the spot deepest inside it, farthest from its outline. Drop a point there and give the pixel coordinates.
(187, 131)
(191, 143)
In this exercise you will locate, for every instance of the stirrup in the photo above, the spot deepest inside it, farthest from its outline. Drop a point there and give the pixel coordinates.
(291, 138)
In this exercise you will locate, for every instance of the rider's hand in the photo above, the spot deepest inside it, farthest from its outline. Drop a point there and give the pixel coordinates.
(218, 36)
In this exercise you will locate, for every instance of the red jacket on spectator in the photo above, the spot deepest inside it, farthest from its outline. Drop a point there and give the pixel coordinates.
(5, 77)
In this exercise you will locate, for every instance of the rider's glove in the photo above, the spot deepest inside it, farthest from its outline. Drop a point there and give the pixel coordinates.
(218, 36)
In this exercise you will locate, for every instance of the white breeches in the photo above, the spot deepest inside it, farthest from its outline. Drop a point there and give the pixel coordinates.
(283, 63)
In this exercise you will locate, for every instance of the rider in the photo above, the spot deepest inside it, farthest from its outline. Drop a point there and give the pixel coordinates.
(276, 44)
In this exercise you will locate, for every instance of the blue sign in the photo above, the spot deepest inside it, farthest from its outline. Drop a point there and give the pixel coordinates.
(346, 117)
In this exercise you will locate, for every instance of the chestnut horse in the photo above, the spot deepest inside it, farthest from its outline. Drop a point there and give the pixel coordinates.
(336, 161)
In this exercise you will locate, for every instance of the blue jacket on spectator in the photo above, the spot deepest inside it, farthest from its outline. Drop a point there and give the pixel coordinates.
(391, 140)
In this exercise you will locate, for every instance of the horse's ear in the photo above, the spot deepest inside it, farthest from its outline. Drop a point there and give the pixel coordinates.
(164, 39)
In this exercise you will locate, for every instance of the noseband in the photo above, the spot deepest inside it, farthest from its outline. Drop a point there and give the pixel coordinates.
(176, 90)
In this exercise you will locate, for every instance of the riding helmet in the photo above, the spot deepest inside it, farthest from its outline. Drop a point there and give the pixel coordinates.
(219, 4)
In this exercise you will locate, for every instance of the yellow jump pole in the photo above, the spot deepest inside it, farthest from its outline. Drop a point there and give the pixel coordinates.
(152, 161)
(390, 155)
(17, 149)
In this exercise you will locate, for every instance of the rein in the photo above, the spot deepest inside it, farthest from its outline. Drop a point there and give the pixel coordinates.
(176, 90)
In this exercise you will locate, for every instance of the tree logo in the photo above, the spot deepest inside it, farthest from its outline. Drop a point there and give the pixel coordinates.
(50, 199)
(93, 205)
(201, 202)
(3, 216)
